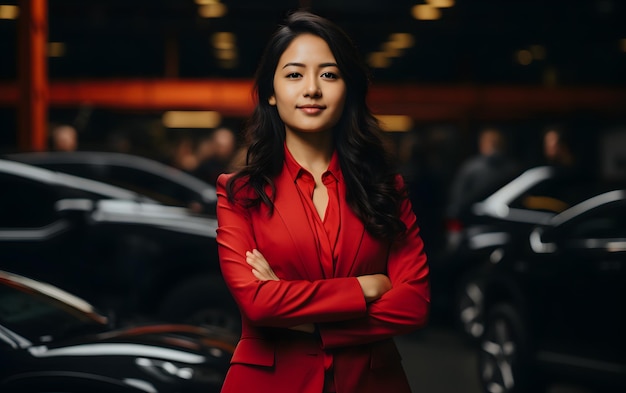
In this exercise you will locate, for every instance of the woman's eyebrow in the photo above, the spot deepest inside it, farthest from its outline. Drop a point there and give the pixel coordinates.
(322, 65)
(294, 65)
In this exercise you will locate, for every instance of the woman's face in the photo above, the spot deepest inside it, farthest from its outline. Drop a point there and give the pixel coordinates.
(309, 91)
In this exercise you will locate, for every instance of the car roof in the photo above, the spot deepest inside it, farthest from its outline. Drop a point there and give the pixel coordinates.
(589, 204)
(120, 159)
(62, 179)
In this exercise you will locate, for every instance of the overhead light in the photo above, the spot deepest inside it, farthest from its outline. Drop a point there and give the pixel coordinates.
(212, 10)
(56, 49)
(378, 60)
(440, 3)
(391, 50)
(524, 57)
(191, 119)
(395, 123)
(401, 40)
(223, 40)
(225, 54)
(206, 2)
(425, 12)
(9, 11)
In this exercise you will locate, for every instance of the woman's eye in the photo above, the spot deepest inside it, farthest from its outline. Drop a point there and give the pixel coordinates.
(293, 75)
(329, 75)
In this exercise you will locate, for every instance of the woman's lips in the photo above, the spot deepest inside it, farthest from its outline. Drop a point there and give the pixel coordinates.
(311, 109)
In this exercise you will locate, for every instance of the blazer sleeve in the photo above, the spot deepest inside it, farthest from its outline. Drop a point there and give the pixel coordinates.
(276, 303)
(401, 310)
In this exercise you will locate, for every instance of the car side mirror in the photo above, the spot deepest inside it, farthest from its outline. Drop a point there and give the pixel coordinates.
(542, 240)
(72, 207)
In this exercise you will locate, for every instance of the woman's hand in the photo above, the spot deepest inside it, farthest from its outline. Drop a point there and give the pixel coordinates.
(374, 286)
(262, 270)
(260, 267)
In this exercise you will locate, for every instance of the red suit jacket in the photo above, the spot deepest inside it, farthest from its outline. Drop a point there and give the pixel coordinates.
(272, 358)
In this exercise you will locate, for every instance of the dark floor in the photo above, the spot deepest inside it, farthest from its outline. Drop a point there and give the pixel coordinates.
(438, 360)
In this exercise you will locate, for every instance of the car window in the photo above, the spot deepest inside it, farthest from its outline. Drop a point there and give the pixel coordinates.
(550, 195)
(153, 186)
(141, 182)
(25, 204)
(608, 222)
(34, 316)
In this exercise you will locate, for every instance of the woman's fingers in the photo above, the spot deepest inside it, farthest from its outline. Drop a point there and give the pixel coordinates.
(260, 267)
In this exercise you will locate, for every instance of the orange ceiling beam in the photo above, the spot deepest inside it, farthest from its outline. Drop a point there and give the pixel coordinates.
(428, 103)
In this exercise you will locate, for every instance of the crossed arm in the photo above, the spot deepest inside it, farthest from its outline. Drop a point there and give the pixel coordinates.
(372, 285)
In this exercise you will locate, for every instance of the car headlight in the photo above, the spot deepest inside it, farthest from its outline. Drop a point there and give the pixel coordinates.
(170, 371)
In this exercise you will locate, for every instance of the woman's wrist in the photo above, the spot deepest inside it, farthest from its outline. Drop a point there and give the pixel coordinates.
(374, 286)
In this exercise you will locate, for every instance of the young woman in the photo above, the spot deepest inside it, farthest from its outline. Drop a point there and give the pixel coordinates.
(317, 240)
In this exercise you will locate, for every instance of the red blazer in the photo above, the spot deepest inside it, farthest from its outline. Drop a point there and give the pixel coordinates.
(271, 358)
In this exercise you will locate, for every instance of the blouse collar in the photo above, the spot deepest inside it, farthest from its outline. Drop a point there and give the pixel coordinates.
(296, 170)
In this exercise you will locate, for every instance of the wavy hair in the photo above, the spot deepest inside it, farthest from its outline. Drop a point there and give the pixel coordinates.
(371, 186)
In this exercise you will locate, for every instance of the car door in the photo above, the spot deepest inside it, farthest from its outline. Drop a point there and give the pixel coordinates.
(589, 296)
(35, 239)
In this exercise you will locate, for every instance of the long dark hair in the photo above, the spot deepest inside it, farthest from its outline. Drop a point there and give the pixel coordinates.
(369, 175)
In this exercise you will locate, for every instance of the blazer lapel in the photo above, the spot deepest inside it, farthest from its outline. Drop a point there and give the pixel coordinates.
(289, 208)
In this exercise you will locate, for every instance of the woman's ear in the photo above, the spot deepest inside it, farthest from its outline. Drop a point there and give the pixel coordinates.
(272, 100)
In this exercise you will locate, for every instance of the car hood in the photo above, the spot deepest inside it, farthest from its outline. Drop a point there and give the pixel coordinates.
(168, 342)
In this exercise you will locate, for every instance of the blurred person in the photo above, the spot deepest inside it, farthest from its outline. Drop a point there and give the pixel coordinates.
(64, 138)
(480, 174)
(184, 156)
(215, 154)
(569, 179)
(557, 149)
(317, 239)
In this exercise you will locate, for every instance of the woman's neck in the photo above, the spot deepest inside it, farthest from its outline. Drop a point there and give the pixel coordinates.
(311, 150)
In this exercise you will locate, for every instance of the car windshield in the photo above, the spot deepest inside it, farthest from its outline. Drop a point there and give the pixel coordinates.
(39, 317)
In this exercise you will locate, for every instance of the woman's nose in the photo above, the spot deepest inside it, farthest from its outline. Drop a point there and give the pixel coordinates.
(312, 88)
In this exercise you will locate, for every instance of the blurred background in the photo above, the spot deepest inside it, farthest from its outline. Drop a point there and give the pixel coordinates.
(170, 80)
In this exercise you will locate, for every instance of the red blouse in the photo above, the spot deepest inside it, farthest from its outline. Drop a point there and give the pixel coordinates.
(326, 229)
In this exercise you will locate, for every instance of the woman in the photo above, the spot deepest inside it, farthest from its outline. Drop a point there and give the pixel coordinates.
(317, 240)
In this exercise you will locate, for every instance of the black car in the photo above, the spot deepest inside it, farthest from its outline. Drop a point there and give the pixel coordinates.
(115, 249)
(161, 182)
(532, 198)
(555, 302)
(52, 341)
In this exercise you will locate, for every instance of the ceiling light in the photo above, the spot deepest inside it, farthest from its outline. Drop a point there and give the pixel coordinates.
(524, 57)
(378, 60)
(212, 10)
(401, 40)
(425, 12)
(391, 50)
(56, 49)
(191, 119)
(223, 40)
(395, 123)
(225, 54)
(9, 11)
(440, 3)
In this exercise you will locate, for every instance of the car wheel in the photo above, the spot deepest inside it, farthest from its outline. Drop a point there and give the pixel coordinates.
(203, 300)
(469, 306)
(504, 357)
